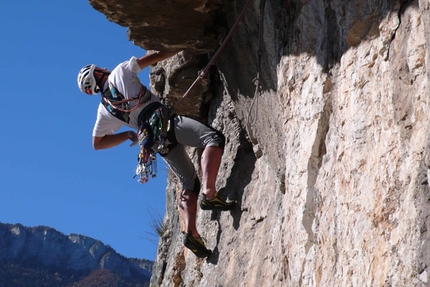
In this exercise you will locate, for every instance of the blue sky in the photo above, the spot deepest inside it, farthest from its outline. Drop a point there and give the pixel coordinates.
(49, 173)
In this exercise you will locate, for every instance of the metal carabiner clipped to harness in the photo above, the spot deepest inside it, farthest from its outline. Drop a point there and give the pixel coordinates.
(146, 165)
(146, 159)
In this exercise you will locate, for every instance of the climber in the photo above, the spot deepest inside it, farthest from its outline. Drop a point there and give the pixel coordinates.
(126, 102)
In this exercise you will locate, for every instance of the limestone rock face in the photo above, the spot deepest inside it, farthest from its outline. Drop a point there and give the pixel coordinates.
(327, 154)
(165, 25)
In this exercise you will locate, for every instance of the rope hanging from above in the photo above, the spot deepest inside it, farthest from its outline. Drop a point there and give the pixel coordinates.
(216, 55)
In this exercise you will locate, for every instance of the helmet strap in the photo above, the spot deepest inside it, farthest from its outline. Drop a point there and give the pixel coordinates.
(99, 81)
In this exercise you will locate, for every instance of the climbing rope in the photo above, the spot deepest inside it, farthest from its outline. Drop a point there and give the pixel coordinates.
(258, 87)
(216, 55)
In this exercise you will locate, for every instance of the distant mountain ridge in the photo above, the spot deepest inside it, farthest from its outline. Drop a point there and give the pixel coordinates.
(47, 248)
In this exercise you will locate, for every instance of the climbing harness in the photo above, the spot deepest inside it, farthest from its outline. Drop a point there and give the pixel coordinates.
(155, 136)
(216, 55)
(252, 119)
(160, 122)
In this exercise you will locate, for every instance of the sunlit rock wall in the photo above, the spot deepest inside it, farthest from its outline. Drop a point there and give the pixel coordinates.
(327, 154)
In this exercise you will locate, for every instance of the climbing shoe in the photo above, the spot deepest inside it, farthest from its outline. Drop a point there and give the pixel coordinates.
(196, 245)
(216, 203)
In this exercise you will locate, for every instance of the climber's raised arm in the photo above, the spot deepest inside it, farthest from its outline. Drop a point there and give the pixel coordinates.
(152, 58)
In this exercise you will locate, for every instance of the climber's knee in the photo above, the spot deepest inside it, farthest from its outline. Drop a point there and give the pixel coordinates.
(217, 139)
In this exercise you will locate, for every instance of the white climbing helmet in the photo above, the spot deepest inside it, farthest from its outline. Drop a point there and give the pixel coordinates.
(86, 81)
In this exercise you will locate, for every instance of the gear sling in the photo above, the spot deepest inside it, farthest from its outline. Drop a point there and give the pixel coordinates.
(155, 127)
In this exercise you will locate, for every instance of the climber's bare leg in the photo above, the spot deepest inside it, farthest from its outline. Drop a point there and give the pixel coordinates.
(210, 163)
(188, 211)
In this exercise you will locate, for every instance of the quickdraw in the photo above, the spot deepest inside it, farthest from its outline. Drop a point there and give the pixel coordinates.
(146, 159)
(147, 165)
(252, 118)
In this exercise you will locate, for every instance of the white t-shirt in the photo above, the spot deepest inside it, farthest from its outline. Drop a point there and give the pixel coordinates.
(124, 79)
